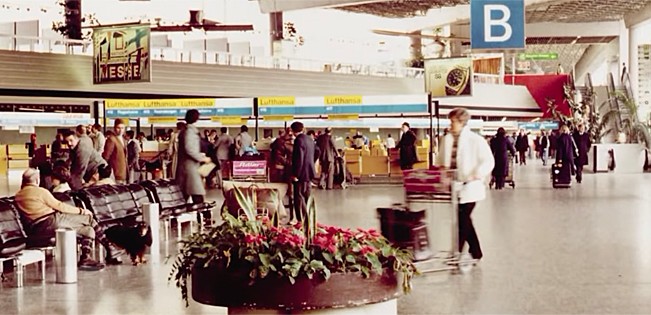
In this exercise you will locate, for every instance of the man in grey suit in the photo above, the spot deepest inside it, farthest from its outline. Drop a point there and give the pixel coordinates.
(327, 155)
(303, 171)
(83, 158)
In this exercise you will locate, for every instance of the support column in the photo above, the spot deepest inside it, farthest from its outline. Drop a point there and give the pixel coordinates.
(151, 216)
(276, 28)
(416, 50)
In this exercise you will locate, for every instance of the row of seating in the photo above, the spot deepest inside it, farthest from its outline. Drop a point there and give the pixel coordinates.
(110, 204)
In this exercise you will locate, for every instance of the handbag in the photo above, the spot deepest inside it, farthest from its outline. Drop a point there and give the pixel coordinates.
(206, 168)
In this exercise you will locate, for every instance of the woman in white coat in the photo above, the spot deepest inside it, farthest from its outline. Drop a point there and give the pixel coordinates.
(471, 156)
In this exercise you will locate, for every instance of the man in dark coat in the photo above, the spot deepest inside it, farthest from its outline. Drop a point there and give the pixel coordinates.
(522, 145)
(501, 148)
(327, 155)
(407, 147)
(583, 144)
(565, 151)
(303, 170)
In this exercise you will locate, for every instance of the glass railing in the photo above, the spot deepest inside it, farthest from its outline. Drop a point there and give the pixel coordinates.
(81, 47)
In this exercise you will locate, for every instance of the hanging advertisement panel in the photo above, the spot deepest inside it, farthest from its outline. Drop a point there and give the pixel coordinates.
(121, 54)
(448, 77)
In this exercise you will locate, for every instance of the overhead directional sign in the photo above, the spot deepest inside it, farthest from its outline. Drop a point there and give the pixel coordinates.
(177, 107)
(497, 24)
(538, 56)
(343, 104)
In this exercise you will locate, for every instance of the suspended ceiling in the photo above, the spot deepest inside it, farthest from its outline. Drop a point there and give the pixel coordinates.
(566, 11)
(579, 11)
(402, 8)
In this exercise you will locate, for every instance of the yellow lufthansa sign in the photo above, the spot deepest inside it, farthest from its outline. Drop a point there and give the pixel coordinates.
(276, 100)
(343, 117)
(162, 120)
(228, 120)
(278, 118)
(169, 103)
(342, 99)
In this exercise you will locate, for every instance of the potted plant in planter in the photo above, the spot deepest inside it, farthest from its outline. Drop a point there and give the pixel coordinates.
(251, 263)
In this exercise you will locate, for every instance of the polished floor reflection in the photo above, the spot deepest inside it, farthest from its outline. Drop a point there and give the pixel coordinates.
(582, 250)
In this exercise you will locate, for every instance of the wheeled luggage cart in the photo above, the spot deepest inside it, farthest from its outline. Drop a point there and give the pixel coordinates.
(436, 191)
(509, 179)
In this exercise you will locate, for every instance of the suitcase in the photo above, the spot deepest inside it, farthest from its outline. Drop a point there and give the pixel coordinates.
(561, 176)
(406, 229)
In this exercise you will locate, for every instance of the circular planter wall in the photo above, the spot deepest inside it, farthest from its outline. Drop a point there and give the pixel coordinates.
(219, 287)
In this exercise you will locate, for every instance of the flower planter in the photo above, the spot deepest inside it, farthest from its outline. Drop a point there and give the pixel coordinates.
(344, 292)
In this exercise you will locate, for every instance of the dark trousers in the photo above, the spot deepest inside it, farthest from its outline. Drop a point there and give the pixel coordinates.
(579, 172)
(523, 157)
(302, 191)
(467, 231)
(327, 174)
(499, 182)
(216, 172)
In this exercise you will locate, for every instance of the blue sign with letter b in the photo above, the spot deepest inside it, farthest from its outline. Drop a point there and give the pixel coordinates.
(497, 24)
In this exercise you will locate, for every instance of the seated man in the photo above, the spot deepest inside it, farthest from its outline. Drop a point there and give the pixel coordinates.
(44, 214)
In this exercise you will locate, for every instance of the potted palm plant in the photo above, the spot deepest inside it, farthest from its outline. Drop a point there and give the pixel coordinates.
(624, 120)
(250, 262)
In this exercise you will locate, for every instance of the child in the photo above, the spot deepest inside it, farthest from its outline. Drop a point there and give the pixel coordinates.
(60, 178)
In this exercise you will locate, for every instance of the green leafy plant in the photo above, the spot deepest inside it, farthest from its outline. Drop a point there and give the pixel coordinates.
(631, 125)
(253, 244)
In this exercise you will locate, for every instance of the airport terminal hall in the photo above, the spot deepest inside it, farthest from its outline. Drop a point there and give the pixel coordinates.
(330, 157)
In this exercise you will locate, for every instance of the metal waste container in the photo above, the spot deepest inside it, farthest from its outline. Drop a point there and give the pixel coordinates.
(66, 256)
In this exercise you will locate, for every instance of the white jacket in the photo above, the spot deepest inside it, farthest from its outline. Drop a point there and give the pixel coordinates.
(474, 159)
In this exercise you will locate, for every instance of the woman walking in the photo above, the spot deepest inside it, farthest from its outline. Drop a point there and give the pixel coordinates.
(470, 155)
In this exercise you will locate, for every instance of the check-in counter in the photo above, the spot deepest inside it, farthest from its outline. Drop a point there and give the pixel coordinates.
(423, 159)
(353, 160)
(17, 159)
(3, 160)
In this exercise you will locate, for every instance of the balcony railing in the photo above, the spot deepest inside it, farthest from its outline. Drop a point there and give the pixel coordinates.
(81, 47)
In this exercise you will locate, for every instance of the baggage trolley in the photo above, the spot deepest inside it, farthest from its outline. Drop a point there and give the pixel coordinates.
(509, 179)
(436, 189)
(249, 170)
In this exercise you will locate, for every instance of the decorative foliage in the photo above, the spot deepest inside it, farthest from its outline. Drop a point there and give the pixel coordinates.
(253, 243)
(631, 124)
(290, 33)
(582, 112)
(68, 29)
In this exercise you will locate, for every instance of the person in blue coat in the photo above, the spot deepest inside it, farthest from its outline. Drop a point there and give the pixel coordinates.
(303, 170)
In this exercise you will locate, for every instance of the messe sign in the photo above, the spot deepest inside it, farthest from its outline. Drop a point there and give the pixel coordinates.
(448, 77)
(497, 24)
(121, 54)
(284, 106)
(207, 107)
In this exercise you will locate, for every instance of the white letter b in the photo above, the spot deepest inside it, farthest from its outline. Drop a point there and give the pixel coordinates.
(503, 22)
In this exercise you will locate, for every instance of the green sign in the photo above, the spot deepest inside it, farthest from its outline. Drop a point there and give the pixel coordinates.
(538, 56)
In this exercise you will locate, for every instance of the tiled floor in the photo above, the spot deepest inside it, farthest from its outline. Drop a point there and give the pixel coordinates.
(582, 250)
